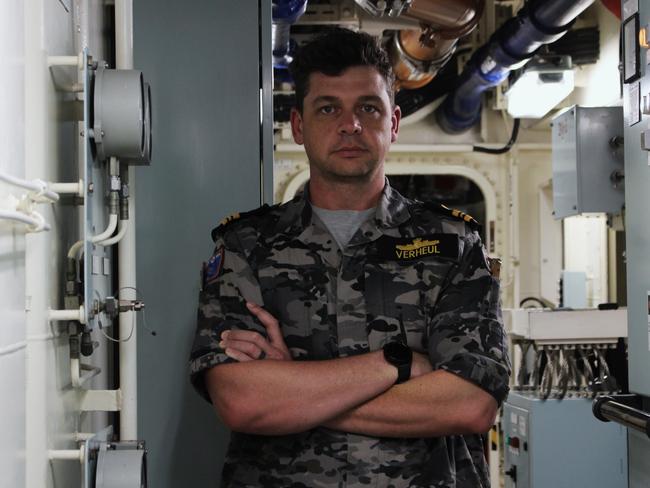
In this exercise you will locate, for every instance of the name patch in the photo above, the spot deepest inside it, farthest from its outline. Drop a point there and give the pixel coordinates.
(416, 248)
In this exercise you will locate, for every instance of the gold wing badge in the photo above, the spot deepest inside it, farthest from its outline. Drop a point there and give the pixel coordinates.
(419, 247)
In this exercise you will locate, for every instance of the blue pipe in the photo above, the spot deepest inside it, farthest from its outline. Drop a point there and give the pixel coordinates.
(511, 46)
(285, 13)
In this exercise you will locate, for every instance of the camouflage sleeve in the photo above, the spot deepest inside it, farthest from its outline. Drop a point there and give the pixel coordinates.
(228, 281)
(465, 332)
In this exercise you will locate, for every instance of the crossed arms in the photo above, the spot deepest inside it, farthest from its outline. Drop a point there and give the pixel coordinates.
(277, 396)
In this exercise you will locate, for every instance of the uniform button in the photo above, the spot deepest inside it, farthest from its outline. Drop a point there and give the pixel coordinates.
(368, 234)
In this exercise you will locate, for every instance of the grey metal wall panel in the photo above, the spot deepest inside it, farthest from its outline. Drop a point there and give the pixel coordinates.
(639, 447)
(637, 201)
(202, 61)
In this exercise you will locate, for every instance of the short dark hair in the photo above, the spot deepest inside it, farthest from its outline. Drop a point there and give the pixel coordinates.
(334, 51)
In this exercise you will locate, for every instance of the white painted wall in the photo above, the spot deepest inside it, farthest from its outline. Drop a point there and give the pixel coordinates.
(12, 250)
(39, 409)
(534, 170)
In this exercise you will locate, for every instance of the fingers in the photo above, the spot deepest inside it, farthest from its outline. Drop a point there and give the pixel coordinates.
(250, 344)
(237, 355)
(271, 324)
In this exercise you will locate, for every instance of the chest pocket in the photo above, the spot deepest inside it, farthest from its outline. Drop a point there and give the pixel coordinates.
(399, 297)
(292, 286)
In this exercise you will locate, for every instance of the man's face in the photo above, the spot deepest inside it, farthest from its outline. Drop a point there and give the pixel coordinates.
(347, 125)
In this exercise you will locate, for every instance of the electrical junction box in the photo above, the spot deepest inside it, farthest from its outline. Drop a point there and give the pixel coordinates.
(560, 444)
(587, 165)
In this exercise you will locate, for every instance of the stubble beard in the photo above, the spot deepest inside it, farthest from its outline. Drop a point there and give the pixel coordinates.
(361, 174)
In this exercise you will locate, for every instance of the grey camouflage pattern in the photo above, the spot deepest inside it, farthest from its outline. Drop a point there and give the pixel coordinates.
(334, 304)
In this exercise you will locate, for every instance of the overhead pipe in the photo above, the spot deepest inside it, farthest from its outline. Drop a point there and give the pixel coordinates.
(418, 54)
(285, 13)
(538, 23)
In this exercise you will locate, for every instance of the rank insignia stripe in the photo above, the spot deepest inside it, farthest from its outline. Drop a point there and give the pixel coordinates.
(406, 249)
(213, 267)
(230, 218)
(455, 213)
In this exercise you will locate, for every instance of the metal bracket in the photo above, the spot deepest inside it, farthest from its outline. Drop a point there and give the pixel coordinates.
(101, 400)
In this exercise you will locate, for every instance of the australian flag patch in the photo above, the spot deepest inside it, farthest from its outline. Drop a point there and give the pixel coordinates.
(212, 269)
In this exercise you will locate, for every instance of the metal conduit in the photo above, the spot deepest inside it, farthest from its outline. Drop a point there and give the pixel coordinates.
(510, 47)
(285, 13)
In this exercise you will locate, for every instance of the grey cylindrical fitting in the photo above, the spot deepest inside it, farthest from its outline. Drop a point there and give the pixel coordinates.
(119, 113)
(124, 208)
(113, 202)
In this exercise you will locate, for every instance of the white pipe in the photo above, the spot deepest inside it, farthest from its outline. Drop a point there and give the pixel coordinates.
(38, 186)
(112, 225)
(126, 249)
(66, 454)
(35, 221)
(77, 377)
(68, 188)
(38, 254)
(74, 249)
(65, 315)
(124, 226)
(11, 348)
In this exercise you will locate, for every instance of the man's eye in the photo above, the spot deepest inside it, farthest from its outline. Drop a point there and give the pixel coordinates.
(369, 109)
(326, 109)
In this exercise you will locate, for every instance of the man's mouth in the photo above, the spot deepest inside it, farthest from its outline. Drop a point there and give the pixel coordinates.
(350, 151)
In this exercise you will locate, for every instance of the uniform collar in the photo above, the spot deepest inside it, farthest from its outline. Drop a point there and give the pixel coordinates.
(392, 209)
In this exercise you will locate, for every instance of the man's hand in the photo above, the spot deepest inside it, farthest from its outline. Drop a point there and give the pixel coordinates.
(244, 345)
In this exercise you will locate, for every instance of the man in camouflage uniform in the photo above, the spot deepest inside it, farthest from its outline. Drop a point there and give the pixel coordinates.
(350, 356)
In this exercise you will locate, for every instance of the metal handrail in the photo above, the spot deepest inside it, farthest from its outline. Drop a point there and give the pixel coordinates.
(618, 409)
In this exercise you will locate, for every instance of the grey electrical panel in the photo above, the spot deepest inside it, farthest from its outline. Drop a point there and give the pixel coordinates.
(587, 161)
(560, 444)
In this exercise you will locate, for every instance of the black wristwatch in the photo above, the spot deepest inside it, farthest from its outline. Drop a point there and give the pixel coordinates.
(400, 356)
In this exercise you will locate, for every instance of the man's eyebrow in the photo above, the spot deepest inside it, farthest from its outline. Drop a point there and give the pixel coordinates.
(333, 99)
(370, 98)
(325, 98)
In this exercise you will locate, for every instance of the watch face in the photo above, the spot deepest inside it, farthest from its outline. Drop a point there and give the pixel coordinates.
(397, 353)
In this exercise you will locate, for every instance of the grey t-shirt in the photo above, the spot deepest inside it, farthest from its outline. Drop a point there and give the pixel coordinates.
(342, 224)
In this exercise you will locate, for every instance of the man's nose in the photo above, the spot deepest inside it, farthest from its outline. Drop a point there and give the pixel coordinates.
(349, 124)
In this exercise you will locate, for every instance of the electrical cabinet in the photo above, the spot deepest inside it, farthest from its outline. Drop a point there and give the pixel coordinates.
(588, 161)
(560, 444)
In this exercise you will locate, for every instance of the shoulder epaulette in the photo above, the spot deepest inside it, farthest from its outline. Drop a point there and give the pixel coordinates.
(455, 213)
(237, 216)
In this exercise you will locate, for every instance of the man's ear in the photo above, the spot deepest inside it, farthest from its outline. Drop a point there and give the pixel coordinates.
(296, 126)
(394, 123)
